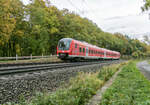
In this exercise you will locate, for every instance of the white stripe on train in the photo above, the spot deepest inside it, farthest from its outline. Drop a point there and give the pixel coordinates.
(91, 57)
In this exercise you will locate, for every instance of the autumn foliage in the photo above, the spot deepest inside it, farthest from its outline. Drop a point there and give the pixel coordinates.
(37, 27)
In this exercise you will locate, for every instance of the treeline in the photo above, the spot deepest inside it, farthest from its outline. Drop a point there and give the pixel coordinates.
(37, 27)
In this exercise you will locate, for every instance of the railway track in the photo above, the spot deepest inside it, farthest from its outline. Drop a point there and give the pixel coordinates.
(25, 64)
(12, 70)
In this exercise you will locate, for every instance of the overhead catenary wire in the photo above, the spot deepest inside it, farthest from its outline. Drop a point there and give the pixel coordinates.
(90, 10)
(82, 12)
(83, 9)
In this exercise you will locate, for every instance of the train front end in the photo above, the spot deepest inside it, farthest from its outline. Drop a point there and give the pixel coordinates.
(64, 48)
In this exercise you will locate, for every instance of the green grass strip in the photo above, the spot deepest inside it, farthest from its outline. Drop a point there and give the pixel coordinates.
(130, 88)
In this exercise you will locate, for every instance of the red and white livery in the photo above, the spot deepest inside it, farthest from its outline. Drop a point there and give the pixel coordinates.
(73, 49)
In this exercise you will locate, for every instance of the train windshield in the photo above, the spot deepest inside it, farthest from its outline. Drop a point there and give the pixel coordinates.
(64, 44)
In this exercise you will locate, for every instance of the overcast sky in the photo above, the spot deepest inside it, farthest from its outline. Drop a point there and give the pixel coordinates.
(124, 16)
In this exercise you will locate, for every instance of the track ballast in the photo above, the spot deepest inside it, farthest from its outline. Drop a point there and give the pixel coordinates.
(12, 70)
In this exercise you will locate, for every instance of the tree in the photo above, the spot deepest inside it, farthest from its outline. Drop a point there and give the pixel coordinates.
(146, 5)
(43, 25)
(11, 14)
(37, 27)
(7, 21)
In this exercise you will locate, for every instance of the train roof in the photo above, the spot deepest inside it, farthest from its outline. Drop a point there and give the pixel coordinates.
(66, 39)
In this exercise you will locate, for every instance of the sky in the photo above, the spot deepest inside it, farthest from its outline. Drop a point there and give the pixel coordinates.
(123, 16)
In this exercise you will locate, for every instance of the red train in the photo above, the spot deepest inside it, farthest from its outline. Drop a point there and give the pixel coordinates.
(70, 49)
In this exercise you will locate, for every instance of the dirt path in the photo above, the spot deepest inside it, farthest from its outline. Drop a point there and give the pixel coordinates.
(97, 98)
(144, 67)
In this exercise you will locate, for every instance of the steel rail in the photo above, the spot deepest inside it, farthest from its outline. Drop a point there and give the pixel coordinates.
(25, 64)
(11, 70)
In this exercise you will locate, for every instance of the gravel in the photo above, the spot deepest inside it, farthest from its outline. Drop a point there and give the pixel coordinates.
(26, 85)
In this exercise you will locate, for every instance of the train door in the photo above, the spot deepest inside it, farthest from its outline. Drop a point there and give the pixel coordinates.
(76, 49)
(104, 54)
(87, 51)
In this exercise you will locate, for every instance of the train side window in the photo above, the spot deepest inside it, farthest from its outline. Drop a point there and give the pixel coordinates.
(75, 45)
(80, 49)
(83, 49)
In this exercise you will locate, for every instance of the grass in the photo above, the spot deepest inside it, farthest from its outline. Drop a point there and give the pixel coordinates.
(130, 88)
(78, 91)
